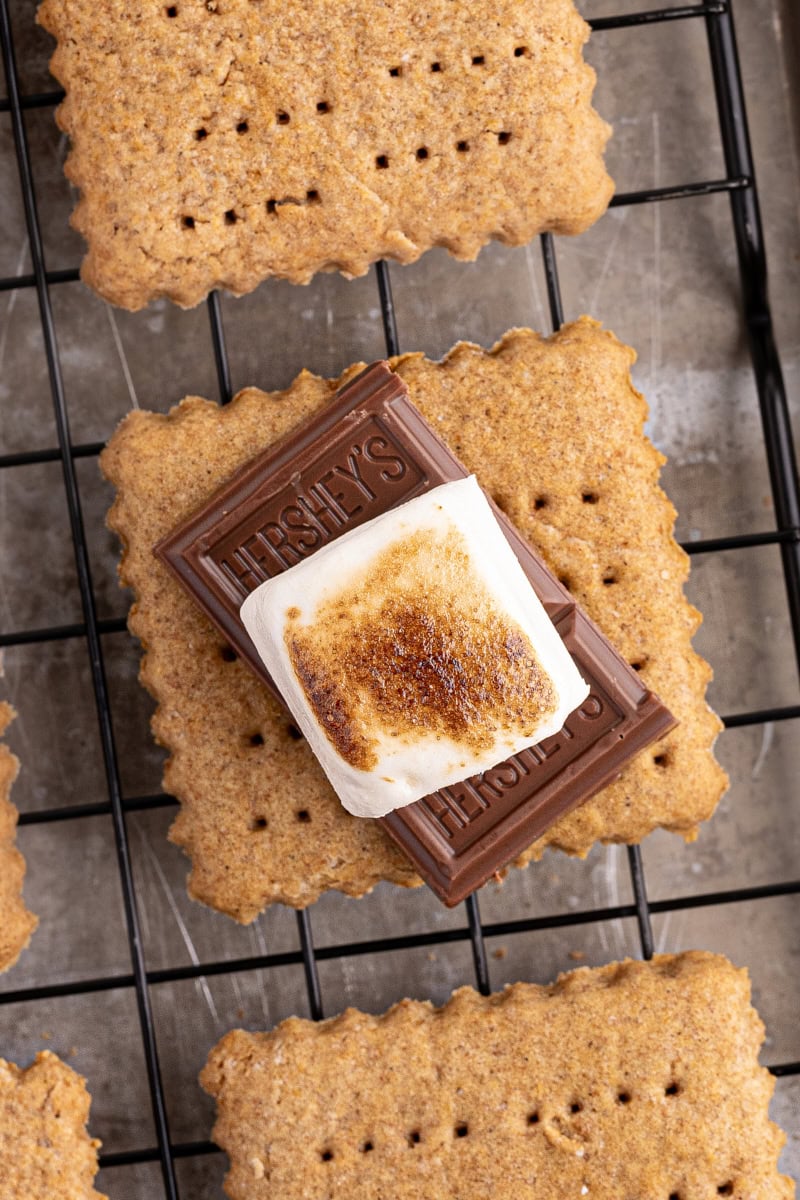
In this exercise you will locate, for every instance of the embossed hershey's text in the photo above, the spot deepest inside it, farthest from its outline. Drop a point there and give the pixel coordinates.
(453, 809)
(346, 486)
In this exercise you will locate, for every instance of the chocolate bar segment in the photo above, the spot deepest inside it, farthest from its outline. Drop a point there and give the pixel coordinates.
(349, 464)
(368, 451)
(459, 836)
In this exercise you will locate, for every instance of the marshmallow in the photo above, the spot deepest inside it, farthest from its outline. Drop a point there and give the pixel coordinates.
(413, 651)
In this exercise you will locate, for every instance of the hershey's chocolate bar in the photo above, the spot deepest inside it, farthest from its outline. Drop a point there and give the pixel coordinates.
(365, 452)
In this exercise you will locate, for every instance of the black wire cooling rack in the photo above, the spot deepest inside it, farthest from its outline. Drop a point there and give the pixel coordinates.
(739, 182)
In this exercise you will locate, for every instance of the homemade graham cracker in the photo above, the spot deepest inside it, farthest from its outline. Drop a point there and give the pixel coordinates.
(632, 1080)
(218, 142)
(45, 1151)
(16, 923)
(553, 429)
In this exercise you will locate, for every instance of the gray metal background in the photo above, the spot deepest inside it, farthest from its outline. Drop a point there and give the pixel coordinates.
(665, 278)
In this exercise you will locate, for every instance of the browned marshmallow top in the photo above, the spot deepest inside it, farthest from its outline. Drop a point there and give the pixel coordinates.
(406, 647)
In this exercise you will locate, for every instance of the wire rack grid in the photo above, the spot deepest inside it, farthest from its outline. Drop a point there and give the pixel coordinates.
(739, 183)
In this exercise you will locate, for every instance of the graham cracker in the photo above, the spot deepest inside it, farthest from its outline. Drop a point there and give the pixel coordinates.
(16, 923)
(631, 1080)
(45, 1150)
(218, 142)
(553, 429)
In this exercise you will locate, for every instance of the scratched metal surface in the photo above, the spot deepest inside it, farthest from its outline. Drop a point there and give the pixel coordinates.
(664, 277)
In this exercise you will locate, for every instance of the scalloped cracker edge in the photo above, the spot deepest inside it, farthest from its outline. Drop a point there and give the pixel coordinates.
(553, 428)
(45, 1150)
(16, 922)
(635, 1079)
(215, 144)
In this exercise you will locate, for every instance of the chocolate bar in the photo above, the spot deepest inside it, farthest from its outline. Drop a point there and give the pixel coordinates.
(367, 451)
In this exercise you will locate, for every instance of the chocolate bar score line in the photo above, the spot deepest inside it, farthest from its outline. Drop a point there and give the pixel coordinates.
(364, 453)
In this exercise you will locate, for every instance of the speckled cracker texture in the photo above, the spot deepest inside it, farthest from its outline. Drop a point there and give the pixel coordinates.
(45, 1151)
(16, 923)
(218, 142)
(636, 1080)
(553, 429)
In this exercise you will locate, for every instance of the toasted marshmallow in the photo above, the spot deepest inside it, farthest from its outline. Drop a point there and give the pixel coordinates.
(413, 651)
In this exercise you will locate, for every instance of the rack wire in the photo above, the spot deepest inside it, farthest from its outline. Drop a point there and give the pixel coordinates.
(740, 184)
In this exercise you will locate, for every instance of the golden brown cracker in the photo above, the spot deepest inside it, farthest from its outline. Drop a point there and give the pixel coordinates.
(553, 429)
(16, 923)
(631, 1080)
(218, 142)
(45, 1151)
